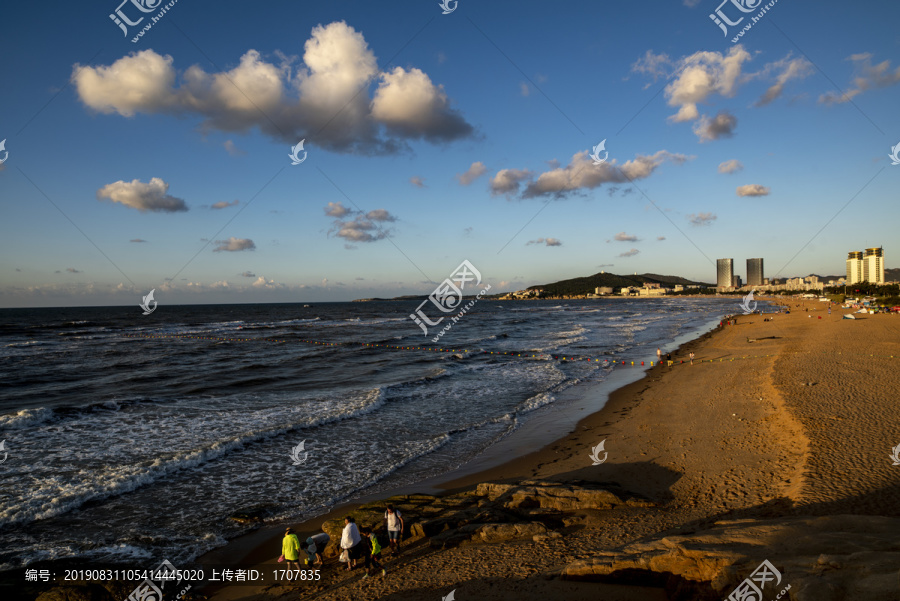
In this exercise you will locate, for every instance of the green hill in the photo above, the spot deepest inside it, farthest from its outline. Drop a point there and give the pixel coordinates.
(586, 285)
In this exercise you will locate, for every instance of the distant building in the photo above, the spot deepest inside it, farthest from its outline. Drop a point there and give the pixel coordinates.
(603, 290)
(679, 288)
(873, 266)
(755, 272)
(724, 273)
(652, 285)
(765, 281)
(736, 281)
(854, 267)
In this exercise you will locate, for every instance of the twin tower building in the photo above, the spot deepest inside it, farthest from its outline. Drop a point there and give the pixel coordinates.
(866, 267)
(725, 277)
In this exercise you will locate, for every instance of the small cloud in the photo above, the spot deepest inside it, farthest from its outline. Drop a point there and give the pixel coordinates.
(722, 126)
(350, 247)
(380, 215)
(441, 58)
(234, 245)
(360, 279)
(630, 253)
(752, 190)
(788, 69)
(417, 181)
(57, 271)
(232, 149)
(507, 181)
(732, 166)
(337, 209)
(152, 196)
(248, 274)
(263, 283)
(358, 229)
(691, 3)
(547, 241)
(866, 77)
(72, 270)
(467, 232)
(701, 218)
(137, 240)
(524, 89)
(223, 205)
(606, 265)
(19, 270)
(660, 237)
(623, 237)
(475, 170)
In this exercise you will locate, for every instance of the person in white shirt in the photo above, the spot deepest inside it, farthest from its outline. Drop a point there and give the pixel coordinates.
(394, 523)
(350, 539)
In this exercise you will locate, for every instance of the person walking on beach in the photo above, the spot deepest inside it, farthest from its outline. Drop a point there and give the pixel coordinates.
(315, 546)
(692, 357)
(659, 354)
(373, 553)
(290, 550)
(669, 359)
(350, 541)
(394, 526)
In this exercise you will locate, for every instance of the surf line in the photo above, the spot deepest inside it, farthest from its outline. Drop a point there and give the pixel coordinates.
(606, 361)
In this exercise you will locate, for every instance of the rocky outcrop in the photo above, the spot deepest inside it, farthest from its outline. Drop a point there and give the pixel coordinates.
(492, 513)
(555, 496)
(833, 558)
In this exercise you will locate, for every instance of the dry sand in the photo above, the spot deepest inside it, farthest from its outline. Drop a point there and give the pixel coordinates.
(794, 416)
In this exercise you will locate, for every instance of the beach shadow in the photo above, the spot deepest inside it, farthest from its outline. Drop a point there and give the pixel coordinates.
(643, 478)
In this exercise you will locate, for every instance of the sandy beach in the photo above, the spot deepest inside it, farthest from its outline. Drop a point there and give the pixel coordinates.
(723, 463)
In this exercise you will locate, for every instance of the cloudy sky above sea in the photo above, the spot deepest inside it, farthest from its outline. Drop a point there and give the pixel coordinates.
(164, 163)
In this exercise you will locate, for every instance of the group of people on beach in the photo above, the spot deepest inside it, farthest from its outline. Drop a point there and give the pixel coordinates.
(356, 544)
(669, 357)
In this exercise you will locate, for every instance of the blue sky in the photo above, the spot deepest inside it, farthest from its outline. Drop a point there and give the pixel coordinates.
(484, 115)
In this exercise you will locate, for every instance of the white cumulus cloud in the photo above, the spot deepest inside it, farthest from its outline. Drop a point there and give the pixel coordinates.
(152, 196)
(286, 101)
(752, 190)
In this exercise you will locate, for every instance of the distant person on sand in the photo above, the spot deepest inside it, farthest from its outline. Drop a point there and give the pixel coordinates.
(668, 358)
(290, 549)
(373, 553)
(692, 357)
(658, 354)
(350, 541)
(394, 525)
(315, 546)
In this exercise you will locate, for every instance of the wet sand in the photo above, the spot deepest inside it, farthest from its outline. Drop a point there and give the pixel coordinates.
(794, 416)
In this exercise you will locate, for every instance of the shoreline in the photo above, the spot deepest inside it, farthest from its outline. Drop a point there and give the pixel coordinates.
(603, 398)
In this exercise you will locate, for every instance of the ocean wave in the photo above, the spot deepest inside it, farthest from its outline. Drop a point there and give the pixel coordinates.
(25, 418)
(53, 495)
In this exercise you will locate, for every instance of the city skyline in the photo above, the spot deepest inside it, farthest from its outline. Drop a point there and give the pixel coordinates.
(346, 151)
